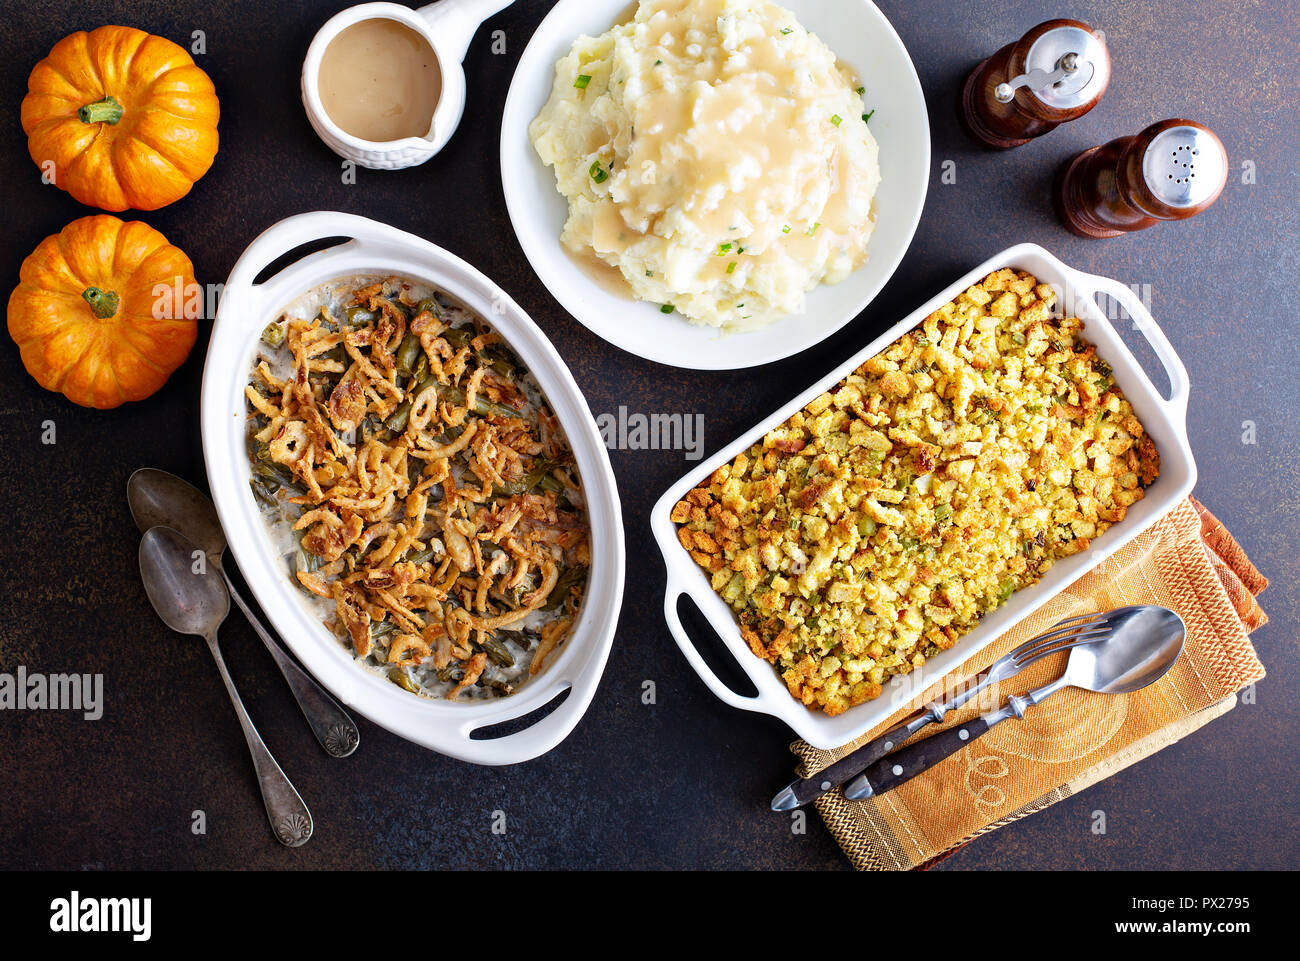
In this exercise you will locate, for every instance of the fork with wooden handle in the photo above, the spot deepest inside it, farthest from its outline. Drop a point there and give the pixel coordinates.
(1083, 629)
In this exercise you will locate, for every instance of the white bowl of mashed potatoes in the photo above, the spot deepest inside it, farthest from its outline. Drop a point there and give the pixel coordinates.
(715, 184)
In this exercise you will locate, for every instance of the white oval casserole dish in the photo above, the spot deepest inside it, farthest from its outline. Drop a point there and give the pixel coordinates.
(368, 247)
(1164, 419)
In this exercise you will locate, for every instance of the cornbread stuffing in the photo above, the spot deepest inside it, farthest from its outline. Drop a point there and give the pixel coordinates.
(876, 526)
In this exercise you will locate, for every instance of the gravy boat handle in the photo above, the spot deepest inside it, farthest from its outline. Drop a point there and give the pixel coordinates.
(456, 21)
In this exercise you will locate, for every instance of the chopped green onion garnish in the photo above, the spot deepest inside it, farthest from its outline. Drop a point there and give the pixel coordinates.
(722, 249)
(731, 267)
(866, 117)
(649, 273)
(813, 229)
(785, 229)
(666, 309)
(785, 31)
(582, 81)
(598, 173)
(861, 91)
(836, 119)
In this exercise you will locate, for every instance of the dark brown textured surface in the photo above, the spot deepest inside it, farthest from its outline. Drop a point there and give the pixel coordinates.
(683, 783)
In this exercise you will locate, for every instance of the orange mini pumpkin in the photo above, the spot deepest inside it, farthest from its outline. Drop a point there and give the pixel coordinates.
(121, 118)
(99, 312)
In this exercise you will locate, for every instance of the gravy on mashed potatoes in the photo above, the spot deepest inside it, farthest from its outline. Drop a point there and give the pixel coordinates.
(716, 154)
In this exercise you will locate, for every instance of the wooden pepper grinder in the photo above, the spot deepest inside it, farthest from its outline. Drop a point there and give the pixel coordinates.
(1055, 73)
(1172, 170)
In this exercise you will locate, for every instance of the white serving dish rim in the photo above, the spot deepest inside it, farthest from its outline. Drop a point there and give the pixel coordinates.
(1164, 419)
(243, 311)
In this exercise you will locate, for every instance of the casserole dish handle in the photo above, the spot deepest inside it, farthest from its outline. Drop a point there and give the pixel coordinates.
(291, 233)
(537, 738)
(1145, 324)
(672, 594)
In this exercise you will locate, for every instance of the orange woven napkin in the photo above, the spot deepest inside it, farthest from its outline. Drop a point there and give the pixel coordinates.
(1188, 562)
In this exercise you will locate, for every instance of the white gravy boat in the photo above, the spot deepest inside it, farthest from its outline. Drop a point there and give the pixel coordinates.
(447, 26)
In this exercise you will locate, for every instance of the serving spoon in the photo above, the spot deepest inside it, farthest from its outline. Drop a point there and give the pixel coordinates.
(160, 499)
(1139, 652)
(191, 599)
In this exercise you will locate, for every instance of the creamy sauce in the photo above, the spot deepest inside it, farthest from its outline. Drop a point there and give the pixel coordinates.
(605, 276)
(379, 81)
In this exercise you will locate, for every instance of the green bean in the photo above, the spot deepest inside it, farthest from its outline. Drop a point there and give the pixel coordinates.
(408, 353)
(399, 677)
(428, 305)
(569, 578)
(420, 557)
(458, 337)
(396, 421)
(307, 561)
(482, 406)
(499, 362)
(358, 315)
(262, 491)
(525, 638)
(539, 476)
(497, 652)
(273, 334)
(380, 628)
(499, 688)
(270, 471)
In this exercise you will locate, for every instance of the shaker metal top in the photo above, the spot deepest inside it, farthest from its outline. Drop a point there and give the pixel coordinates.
(1184, 166)
(1084, 75)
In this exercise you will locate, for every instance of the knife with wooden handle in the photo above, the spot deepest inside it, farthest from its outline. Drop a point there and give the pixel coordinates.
(798, 793)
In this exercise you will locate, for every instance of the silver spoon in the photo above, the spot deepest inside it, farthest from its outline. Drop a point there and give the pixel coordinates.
(1139, 651)
(196, 602)
(160, 499)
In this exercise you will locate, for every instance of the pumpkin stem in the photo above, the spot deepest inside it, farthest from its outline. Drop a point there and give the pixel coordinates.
(108, 111)
(102, 302)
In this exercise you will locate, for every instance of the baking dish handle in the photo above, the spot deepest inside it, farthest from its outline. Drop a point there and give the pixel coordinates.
(1145, 324)
(672, 594)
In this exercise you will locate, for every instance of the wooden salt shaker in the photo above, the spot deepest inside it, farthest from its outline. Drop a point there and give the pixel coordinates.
(1055, 73)
(1172, 170)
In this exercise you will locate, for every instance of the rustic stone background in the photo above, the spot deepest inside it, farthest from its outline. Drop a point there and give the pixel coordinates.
(684, 783)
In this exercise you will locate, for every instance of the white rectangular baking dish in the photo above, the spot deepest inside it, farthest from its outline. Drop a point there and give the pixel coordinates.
(1165, 420)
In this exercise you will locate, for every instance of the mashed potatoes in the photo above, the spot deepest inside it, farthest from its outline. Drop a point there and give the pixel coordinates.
(716, 154)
